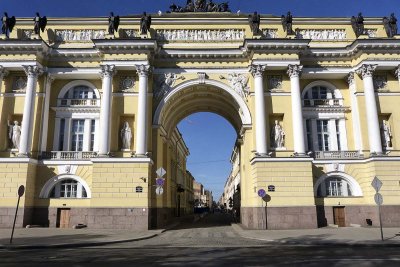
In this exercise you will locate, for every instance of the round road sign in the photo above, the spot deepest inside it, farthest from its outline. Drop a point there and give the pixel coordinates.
(261, 193)
(21, 190)
(160, 181)
(159, 190)
(266, 198)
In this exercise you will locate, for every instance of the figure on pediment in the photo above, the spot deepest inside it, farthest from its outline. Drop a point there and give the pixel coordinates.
(189, 6)
(40, 23)
(14, 134)
(255, 22)
(358, 24)
(390, 25)
(7, 24)
(113, 23)
(200, 5)
(145, 23)
(287, 23)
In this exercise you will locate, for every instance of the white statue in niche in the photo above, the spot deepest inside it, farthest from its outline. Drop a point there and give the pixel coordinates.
(277, 136)
(386, 133)
(126, 136)
(14, 134)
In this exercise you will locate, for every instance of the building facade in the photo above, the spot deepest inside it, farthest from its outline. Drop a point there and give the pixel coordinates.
(87, 117)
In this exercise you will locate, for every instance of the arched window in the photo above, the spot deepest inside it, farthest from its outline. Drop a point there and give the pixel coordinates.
(324, 116)
(337, 185)
(68, 189)
(77, 120)
(65, 186)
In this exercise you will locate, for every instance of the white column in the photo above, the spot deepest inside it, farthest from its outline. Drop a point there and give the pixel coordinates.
(141, 126)
(261, 120)
(375, 144)
(294, 72)
(107, 72)
(27, 118)
(355, 115)
(45, 118)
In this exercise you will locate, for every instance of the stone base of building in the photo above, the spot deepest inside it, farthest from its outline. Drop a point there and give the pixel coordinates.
(95, 218)
(276, 218)
(361, 215)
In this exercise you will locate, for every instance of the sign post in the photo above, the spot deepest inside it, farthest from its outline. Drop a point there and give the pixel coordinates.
(160, 181)
(21, 191)
(377, 184)
(266, 198)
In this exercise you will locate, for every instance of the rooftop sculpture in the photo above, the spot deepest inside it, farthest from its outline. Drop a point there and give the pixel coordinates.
(200, 6)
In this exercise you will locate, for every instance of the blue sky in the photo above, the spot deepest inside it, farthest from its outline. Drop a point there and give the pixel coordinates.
(208, 136)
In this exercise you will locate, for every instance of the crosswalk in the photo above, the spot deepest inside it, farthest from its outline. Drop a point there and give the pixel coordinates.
(202, 233)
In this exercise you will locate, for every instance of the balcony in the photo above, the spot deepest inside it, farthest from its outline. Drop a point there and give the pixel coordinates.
(68, 155)
(323, 102)
(70, 102)
(337, 155)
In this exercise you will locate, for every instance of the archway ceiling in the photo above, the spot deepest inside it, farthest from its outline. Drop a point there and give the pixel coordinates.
(200, 99)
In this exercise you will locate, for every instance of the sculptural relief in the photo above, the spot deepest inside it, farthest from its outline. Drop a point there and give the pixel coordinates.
(238, 83)
(380, 82)
(126, 84)
(14, 134)
(200, 35)
(270, 33)
(126, 136)
(274, 82)
(78, 35)
(199, 6)
(19, 84)
(166, 83)
(277, 136)
(334, 34)
(386, 134)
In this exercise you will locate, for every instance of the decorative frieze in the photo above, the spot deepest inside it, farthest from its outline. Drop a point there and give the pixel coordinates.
(200, 35)
(321, 34)
(78, 35)
(19, 84)
(274, 82)
(372, 33)
(129, 33)
(270, 33)
(27, 34)
(126, 84)
(380, 82)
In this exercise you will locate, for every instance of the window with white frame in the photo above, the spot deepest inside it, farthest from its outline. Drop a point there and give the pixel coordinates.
(77, 118)
(68, 188)
(324, 119)
(334, 186)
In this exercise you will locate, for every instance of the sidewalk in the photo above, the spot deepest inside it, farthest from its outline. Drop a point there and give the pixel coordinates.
(63, 238)
(324, 236)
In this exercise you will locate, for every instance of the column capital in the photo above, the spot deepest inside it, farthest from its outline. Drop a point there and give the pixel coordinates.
(257, 70)
(143, 70)
(396, 72)
(3, 72)
(32, 71)
(107, 71)
(294, 70)
(350, 78)
(366, 70)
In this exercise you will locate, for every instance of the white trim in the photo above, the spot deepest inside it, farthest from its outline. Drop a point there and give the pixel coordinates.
(330, 86)
(245, 118)
(18, 160)
(122, 160)
(357, 161)
(65, 162)
(46, 190)
(72, 84)
(291, 159)
(355, 187)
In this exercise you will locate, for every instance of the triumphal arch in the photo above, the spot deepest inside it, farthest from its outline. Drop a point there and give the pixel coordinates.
(89, 109)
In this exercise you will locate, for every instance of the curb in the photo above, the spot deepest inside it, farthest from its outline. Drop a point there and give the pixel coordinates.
(240, 231)
(86, 244)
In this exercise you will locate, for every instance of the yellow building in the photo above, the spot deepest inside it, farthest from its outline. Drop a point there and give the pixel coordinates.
(316, 114)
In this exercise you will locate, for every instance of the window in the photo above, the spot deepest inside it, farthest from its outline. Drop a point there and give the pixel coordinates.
(334, 187)
(68, 188)
(77, 135)
(323, 135)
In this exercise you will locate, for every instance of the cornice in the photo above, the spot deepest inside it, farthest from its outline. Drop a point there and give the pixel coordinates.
(277, 44)
(17, 46)
(92, 109)
(118, 46)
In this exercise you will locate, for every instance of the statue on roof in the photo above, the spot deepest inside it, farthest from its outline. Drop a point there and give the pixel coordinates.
(358, 24)
(113, 23)
(40, 23)
(200, 6)
(390, 25)
(145, 23)
(287, 23)
(7, 24)
(254, 21)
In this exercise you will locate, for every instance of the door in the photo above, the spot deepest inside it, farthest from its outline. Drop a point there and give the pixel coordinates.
(339, 217)
(63, 218)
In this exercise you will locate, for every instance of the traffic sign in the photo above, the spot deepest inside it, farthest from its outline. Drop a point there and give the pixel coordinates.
(160, 172)
(160, 181)
(266, 198)
(376, 184)
(261, 193)
(159, 190)
(378, 199)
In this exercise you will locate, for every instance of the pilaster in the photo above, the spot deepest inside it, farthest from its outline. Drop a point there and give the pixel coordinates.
(141, 128)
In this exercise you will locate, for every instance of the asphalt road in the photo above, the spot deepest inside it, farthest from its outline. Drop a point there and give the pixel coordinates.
(208, 242)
